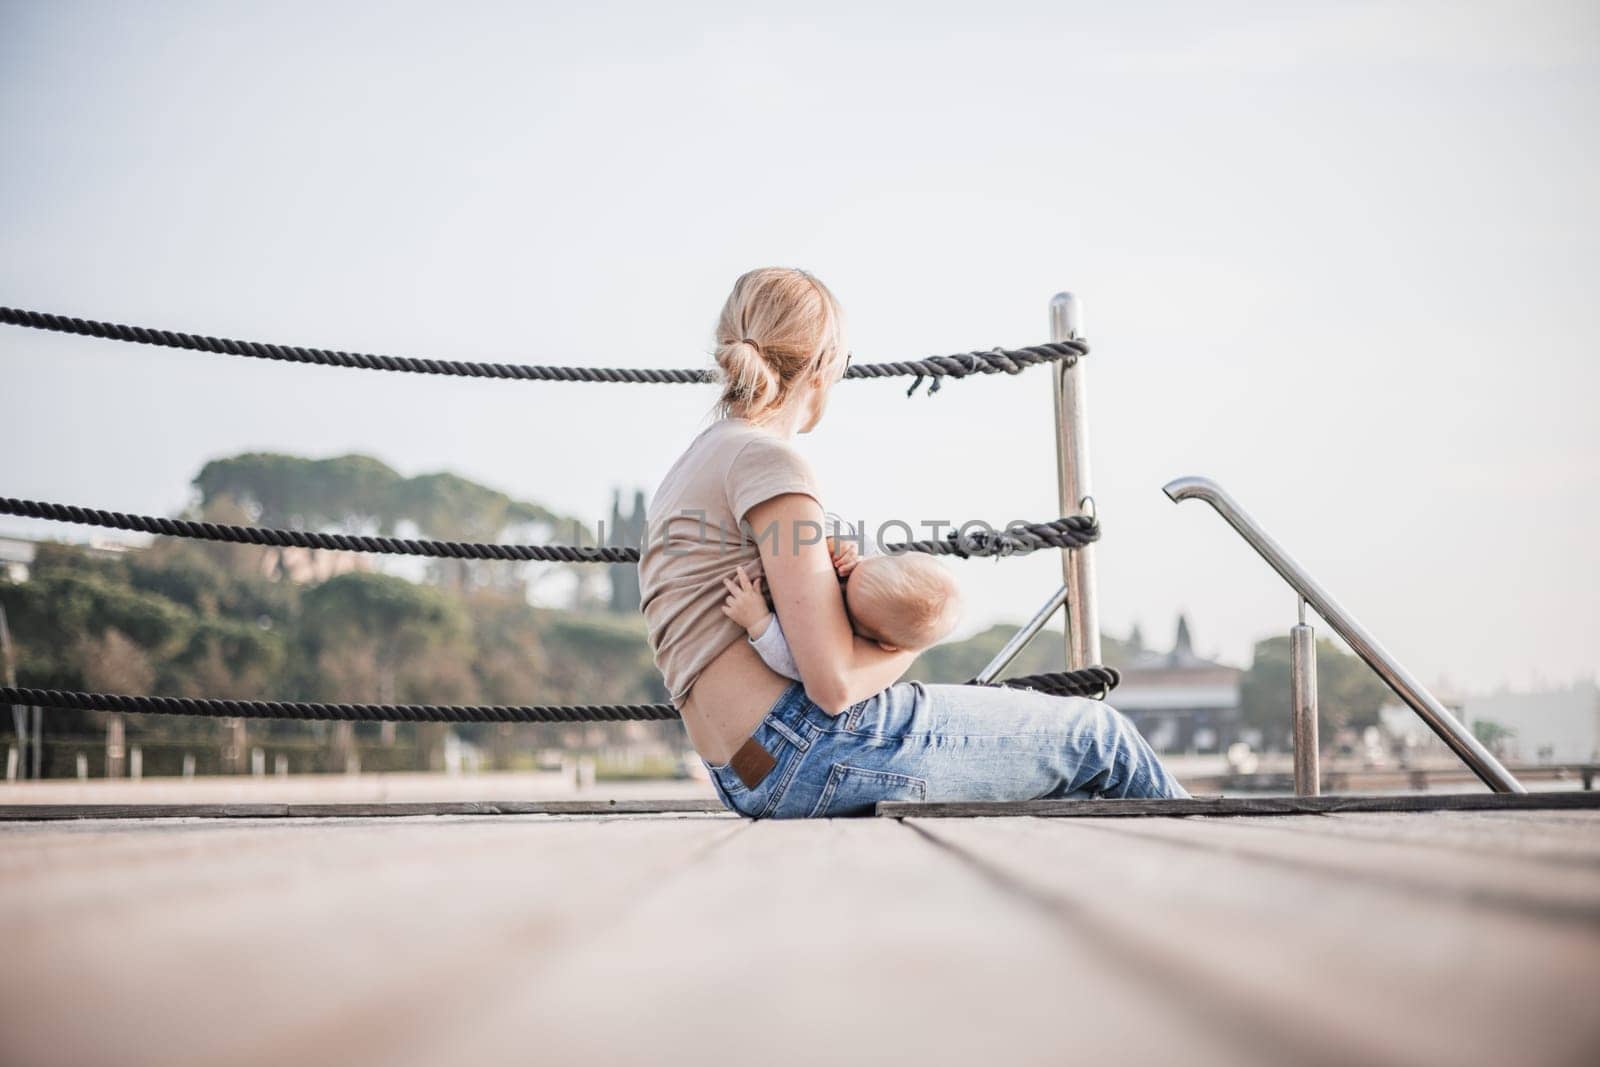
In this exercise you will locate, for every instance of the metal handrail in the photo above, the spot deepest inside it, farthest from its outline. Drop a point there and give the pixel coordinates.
(1406, 687)
(1020, 639)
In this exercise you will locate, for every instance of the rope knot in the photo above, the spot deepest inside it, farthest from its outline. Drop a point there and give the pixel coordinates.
(983, 542)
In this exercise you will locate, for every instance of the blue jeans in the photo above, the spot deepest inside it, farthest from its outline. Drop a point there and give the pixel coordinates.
(942, 742)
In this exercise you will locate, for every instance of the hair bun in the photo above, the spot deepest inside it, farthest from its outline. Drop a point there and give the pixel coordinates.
(798, 322)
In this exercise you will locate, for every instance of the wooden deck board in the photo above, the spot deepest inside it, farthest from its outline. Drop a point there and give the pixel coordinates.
(266, 943)
(366, 810)
(1499, 879)
(1551, 842)
(852, 941)
(1243, 806)
(1302, 960)
(1453, 938)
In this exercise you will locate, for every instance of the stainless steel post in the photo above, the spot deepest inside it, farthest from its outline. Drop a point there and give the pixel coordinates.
(1303, 687)
(1072, 474)
(19, 712)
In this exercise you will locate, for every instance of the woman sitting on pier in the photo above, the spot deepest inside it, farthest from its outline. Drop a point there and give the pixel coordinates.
(848, 734)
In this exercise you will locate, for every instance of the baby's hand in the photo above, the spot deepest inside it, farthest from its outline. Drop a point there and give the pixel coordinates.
(745, 604)
(845, 555)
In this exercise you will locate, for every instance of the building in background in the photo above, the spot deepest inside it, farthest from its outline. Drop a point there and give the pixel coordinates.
(306, 566)
(17, 554)
(1550, 726)
(16, 558)
(1180, 701)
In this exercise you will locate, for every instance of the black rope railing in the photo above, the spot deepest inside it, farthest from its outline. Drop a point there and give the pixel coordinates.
(316, 710)
(1094, 681)
(994, 361)
(1074, 531)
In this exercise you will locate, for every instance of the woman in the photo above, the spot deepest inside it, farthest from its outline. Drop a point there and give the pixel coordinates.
(847, 735)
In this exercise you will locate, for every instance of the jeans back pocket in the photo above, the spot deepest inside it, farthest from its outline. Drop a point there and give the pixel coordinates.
(856, 790)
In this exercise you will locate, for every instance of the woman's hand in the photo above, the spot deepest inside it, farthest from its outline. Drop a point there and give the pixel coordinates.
(745, 604)
(837, 667)
(845, 555)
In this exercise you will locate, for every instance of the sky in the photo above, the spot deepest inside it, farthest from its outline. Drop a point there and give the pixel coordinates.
(1341, 258)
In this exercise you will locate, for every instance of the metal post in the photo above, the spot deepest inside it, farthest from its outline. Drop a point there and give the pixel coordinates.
(1020, 639)
(19, 712)
(114, 746)
(1072, 473)
(19, 720)
(1303, 687)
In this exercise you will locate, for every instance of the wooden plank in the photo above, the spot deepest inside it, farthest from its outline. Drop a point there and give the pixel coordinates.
(1530, 836)
(1489, 879)
(1578, 820)
(45, 812)
(1095, 809)
(815, 942)
(1362, 972)
(896, 809)
(297, 942)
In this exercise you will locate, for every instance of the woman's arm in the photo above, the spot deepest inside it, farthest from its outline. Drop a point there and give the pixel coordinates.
(837, 667)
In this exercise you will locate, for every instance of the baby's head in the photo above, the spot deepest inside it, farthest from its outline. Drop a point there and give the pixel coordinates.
(906, 601)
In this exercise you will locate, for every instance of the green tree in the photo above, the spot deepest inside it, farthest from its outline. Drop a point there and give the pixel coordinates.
(957, 661)
(229, 658)
(382, 638)
(350, 492)
(1494, 735)
(1349, 694)
(357, 493)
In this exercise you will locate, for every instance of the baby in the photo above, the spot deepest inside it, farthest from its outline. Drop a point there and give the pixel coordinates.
(903, 602)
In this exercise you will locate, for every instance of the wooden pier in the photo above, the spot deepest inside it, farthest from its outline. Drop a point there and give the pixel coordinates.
(1442, 937)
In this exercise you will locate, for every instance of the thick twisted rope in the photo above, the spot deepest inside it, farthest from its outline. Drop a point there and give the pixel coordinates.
(261, 535)
(1069, 683)
(1075, 531)
(1017, 539)
(996, 361)
(279, 709)
(1096, 682)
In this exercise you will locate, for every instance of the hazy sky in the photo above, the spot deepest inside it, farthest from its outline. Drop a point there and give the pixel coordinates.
(1340, 257)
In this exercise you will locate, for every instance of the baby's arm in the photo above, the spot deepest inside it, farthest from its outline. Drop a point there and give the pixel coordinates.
(773, 648)
(747, 607)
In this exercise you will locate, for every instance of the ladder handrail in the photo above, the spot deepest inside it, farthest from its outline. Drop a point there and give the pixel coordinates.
(1405, 686)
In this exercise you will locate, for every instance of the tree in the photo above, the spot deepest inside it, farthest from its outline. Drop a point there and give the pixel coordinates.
(957, 661)
(414, 637)
(1349, 694)
(350, 492)
(228, 658)
(357, 494)
(1494, 735)
(114, 664)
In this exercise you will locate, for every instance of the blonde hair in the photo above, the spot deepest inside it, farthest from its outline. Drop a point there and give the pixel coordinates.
(908, 601)
(779, 325)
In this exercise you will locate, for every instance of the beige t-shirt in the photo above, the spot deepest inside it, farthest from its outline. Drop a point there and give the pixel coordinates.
(694, 539)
